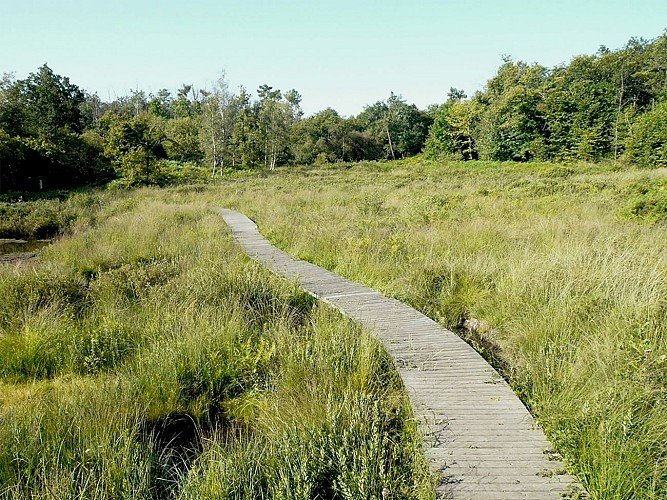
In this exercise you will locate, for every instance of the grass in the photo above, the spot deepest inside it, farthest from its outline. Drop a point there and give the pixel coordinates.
(567, 264)
(143, 356)
(50, 216)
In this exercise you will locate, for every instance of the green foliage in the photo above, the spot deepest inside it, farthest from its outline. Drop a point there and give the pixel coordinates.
(133, 144)
(220, 111)
(453, 131)
(647, 143)
(321, 138)
(397, 128)
(41, 146)
(511, 125)
(590, 109)
(593, 108)
(51, 103)
(581, 107)
(182, 140)
(273, 126)
(47, 217)
(161, 105)
(647, 201)
(170, 173)
(148, 358)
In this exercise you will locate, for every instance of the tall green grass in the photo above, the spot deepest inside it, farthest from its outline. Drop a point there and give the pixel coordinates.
(565, 264)
(146, 357)
(47, 217)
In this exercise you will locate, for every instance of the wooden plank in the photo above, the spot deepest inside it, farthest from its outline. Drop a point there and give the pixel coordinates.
(477, 434)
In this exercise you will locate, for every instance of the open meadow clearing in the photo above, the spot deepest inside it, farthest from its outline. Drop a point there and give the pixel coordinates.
(144, 355)
(564, 267)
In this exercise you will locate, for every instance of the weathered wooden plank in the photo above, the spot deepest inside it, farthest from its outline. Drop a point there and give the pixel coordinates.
(477, 434)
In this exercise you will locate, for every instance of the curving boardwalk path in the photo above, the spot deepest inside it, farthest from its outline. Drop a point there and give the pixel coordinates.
(478, 435)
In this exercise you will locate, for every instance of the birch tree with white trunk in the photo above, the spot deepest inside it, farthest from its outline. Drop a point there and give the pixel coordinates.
(220, 109)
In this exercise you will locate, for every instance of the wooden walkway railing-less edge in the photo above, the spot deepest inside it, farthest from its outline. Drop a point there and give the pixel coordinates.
(478, 435)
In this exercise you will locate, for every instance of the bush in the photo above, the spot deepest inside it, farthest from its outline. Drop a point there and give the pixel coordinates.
(647, 201)
(101, 347)
(647, 143)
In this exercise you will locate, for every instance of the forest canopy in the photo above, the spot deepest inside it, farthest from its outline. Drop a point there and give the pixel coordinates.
(602, 106)
(608, 106)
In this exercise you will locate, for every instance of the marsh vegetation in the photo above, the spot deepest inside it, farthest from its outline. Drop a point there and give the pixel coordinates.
(144, 356)
(564, 265)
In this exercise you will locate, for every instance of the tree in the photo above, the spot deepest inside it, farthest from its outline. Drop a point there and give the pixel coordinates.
(220, 110)
(139, 102)
(323, 137)
(455, 95)
(409, 126)
(293, 98)
(275, 119)
(181, 106)
(183, 139)
(51, 103)
(398, 128)
(373, 122)
(92, 109)
(161, 104)
(13, 156)
(453, 131)
(580, 109)
(12, 109)
(244, 140)
(42, 120)
(647, 143)
(511, 123)
(133, 144)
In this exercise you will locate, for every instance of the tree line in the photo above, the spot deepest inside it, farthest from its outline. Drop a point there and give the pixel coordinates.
(611, 105)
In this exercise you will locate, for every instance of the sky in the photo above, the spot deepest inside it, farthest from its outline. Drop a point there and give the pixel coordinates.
(344, 54)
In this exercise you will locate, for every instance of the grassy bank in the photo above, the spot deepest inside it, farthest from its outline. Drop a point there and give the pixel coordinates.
(144, 356)
(565, 265)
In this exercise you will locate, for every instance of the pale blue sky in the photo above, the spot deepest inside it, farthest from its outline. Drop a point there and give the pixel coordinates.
(343, 54)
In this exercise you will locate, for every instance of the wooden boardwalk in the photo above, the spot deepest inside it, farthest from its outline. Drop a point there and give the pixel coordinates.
(478, 435)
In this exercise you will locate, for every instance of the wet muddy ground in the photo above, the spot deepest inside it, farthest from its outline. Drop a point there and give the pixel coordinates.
(14, 251)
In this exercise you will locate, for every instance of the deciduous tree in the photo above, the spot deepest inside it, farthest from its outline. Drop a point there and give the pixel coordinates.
(133, 144)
